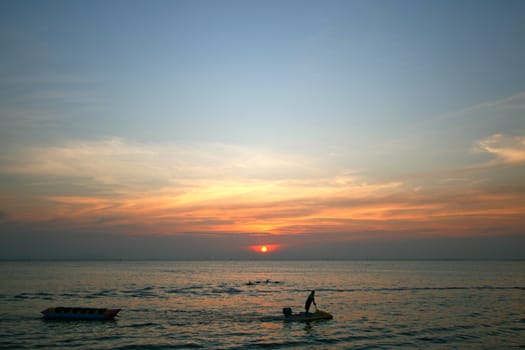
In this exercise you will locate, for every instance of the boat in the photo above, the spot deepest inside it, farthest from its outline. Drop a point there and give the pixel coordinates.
(79, 313)
(306, 316)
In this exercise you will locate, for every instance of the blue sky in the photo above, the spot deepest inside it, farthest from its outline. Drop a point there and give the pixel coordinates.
(346, 115)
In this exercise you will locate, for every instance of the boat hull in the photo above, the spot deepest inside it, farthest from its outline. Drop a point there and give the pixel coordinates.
(309, 316)
(79, 313)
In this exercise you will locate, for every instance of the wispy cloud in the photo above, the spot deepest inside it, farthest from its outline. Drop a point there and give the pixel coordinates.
(506, 149)
(200, 187)
(117, 161)
(175, 189)
(511, 102)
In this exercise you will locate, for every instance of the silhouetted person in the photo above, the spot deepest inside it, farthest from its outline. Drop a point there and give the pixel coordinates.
(309, 301)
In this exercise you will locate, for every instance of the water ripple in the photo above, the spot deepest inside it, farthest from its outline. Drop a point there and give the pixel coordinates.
(168, 305)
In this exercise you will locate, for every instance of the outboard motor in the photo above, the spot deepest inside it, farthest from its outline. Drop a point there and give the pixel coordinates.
(287, 311)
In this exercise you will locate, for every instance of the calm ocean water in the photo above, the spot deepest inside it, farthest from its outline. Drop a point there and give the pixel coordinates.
(171, 305)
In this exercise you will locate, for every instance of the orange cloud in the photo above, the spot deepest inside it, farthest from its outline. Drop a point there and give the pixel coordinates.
(506, 149)
(154, 195)
(288, 210)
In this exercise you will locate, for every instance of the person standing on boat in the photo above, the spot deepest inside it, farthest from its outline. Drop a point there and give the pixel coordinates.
(309, 301)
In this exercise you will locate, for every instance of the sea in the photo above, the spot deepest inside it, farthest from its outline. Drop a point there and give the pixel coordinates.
(213, 305)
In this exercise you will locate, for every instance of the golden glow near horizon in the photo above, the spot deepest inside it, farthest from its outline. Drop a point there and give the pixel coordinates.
(240, 203)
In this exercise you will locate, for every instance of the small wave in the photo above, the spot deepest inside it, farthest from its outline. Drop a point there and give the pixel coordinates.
(229, 290)
(185, 290)
(416, 289)
(146, 292)
(277, 344)
(160, 346)
(101, 294)
(21, 296)
(271, 318)
(141, 325)
(38, 295)
(70, 295)
(201, 290)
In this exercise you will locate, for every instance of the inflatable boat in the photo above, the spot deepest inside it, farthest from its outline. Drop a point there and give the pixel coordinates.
(305, 316)
(79, 313)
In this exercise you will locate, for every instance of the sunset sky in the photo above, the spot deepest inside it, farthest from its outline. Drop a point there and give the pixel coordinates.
(207, 129)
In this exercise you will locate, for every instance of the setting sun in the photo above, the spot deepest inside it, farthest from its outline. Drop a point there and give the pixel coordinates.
(265, 248)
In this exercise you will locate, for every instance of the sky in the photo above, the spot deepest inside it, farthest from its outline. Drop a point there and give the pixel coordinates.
(207, 129)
